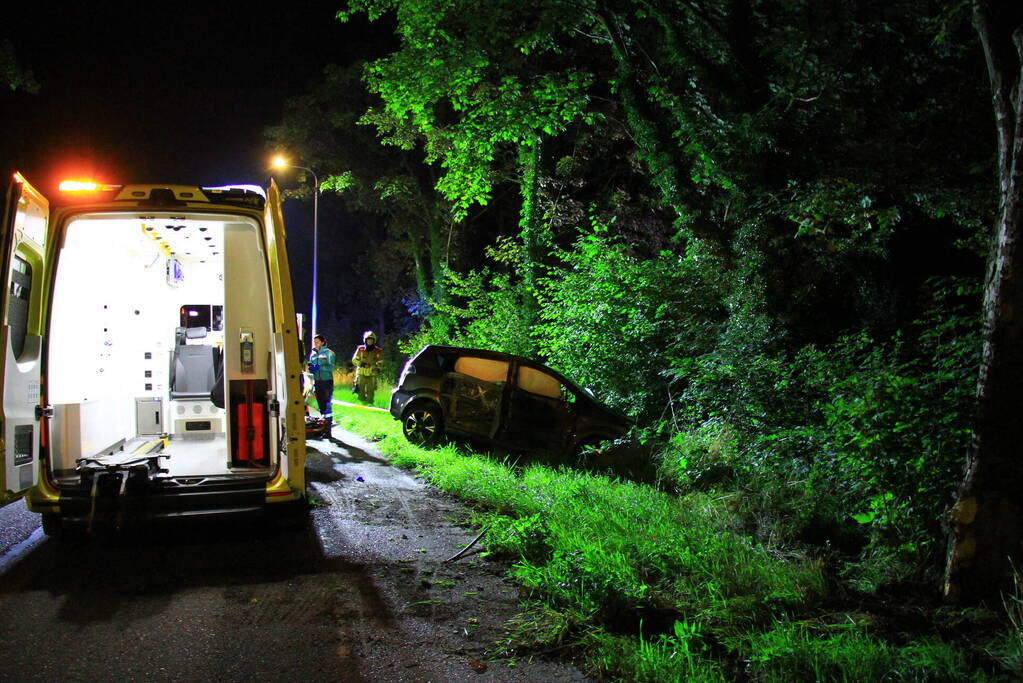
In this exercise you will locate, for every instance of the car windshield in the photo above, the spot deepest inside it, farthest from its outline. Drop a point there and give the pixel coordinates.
(572, 386)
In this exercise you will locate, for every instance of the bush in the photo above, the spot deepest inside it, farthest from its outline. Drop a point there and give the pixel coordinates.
(484, 309)
(877, 429)
(616, 321)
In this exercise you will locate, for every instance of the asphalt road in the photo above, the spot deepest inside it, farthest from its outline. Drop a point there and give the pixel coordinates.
(361, 593)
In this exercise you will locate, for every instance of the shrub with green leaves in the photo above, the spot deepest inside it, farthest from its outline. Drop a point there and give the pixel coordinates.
(615, 320)
(876, 429)
(897, 418)
(485, 308)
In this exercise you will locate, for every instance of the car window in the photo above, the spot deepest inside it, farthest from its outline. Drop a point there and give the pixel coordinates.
(483, 369)
(537, 382)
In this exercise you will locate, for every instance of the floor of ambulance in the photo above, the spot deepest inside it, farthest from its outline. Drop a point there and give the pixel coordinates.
(183, 456)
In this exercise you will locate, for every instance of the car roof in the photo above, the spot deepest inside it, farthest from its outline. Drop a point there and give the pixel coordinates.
(495, 355)
(482, 353)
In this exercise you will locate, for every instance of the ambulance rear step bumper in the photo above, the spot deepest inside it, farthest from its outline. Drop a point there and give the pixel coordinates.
(158, 503)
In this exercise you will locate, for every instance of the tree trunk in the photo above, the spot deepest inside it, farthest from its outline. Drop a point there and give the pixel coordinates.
(437, 261)
(422, 276)
(987, 521)
(530, 160)
(531, 163)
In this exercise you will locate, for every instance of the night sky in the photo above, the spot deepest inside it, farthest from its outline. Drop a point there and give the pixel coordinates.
(163, 92)
(178, 93)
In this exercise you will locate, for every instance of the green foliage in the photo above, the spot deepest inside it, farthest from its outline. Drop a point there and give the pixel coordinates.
(898, 419)
(757, 230)
(484, 309)
(877, 431)
(515, 537)
(1008, 650)
(846, 443)
(706, 455)
(792, 651)
(464, 83)
(381, 398)
(838, 446)
(678, 656)
(614, 320)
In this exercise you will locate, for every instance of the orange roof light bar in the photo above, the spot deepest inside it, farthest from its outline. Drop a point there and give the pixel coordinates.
(84, 186)
(77, 186)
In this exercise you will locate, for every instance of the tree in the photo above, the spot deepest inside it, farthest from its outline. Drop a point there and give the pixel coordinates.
(12, 73)
(987, 520)
(483, 86)
(390, 183)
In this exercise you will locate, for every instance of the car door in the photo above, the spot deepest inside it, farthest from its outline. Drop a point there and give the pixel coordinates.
(472, 394)
(23, 240)
(541, 411)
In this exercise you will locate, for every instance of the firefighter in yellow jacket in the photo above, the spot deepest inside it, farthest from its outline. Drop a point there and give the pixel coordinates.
(367, 360)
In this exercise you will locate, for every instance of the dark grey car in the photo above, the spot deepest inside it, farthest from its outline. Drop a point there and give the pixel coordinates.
(500, 399)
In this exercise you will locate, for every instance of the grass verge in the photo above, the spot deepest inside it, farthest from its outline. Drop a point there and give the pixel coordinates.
(642, 585)
(381, 398)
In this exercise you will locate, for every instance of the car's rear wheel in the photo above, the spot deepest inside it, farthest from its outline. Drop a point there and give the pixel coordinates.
(422, 424)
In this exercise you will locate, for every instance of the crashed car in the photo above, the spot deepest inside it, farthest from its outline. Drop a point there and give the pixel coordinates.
(500, 399)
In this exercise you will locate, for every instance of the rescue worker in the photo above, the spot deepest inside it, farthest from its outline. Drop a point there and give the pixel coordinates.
(367, 360)
(321, 366)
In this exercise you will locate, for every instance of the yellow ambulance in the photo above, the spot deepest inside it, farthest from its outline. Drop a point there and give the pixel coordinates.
(150, 357)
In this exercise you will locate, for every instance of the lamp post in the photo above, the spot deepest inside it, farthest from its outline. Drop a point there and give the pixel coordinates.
(281, 162)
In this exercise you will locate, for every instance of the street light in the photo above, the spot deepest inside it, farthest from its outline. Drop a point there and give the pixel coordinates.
(281, 162)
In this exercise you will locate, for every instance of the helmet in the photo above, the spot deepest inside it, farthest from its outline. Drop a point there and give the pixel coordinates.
(367, 335)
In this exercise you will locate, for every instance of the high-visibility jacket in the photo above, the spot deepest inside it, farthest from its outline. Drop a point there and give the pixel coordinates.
(367, 361)
(321, 363)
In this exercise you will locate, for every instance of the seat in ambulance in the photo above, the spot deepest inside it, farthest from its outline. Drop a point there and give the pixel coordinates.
(192, 366)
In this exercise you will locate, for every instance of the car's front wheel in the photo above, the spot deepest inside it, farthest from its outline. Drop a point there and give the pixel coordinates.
(422, 424)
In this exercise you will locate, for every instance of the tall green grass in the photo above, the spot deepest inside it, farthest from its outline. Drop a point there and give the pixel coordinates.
(381, 397)
(343, 392)
(648, 586)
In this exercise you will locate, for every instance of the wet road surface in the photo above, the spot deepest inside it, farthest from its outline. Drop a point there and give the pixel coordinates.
(361, 593)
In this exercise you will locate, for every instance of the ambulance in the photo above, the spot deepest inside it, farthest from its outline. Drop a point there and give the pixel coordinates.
(150, 355)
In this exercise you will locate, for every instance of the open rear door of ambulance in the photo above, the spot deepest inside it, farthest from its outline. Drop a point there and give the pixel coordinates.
(287, 363)
(23, 235)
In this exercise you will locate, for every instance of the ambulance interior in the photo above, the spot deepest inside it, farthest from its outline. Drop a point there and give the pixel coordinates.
(159, 331)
